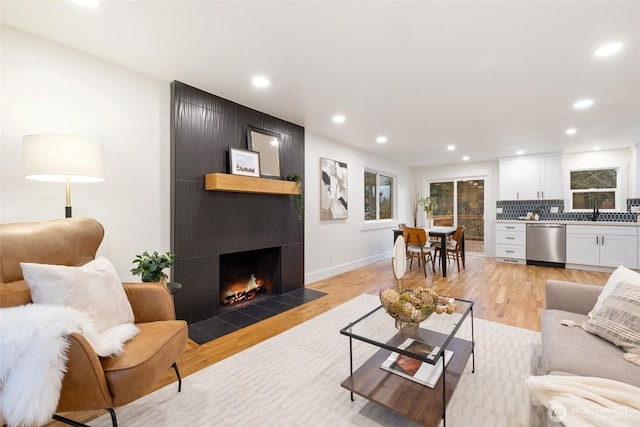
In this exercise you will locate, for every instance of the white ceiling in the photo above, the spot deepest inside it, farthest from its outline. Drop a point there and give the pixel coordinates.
(489, 77)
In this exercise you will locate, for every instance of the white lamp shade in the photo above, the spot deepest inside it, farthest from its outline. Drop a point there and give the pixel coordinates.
(56, 157)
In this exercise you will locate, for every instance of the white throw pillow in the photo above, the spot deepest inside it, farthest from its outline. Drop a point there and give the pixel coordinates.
(93, 289)
(621, 274)
(618, 320)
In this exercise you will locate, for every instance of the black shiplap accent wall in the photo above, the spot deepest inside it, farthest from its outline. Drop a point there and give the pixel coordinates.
(205, 224)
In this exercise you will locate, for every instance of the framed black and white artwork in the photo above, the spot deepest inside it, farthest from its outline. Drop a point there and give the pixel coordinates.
(334, 189)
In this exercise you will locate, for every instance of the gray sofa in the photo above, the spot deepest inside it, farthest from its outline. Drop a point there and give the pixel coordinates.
(571, 350)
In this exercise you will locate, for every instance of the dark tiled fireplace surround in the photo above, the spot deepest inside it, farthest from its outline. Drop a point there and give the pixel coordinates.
(208, 225)
(249, 313)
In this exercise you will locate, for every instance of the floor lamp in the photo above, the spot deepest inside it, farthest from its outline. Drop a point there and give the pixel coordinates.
(57, 158)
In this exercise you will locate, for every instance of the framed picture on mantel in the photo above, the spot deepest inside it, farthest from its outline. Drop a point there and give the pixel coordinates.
(244, 162)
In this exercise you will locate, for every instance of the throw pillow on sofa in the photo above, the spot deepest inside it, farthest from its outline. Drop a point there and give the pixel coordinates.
(621, 274)
(618, 319)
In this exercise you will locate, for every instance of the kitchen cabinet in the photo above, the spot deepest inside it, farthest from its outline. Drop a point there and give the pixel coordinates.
(531, 178)
(605, 246)
(511, 243)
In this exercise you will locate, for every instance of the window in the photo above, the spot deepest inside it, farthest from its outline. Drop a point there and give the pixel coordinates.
(379, 196)
(594, 188)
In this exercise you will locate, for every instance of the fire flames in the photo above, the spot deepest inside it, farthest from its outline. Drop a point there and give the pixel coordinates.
(242, 291)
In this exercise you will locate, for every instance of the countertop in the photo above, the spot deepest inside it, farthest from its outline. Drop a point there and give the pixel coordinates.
(566, 222)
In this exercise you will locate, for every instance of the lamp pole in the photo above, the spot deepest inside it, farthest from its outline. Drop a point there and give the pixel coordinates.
(67, 208)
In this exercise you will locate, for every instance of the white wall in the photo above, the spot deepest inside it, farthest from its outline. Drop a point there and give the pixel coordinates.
(489, 170)
(336, 246)
(49, 88)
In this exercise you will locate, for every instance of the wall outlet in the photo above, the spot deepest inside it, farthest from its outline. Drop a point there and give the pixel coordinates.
(554, 209)
(498, 210)
(635, 209)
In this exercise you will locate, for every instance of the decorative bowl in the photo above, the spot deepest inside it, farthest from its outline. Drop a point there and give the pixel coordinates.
(410, 307)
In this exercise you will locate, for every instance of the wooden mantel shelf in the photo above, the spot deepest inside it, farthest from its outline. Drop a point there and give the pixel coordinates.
(248, 184)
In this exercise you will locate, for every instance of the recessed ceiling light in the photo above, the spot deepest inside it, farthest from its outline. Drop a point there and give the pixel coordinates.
(596, 148)
(519, 152)
(451, 147)
(583, 103)
(571, 131)
(608, 49)
(260, 81)
(465, 158)
(88, 3)
(381, 139)
(339, 118)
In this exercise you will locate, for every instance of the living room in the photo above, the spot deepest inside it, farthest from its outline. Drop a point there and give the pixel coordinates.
(62, 87)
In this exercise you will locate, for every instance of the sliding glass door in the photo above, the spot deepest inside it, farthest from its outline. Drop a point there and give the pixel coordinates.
(461, 202)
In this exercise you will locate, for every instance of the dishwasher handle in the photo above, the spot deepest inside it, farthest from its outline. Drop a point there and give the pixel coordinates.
(546, 225)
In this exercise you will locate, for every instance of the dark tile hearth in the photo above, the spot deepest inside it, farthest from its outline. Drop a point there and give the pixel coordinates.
(241, 317)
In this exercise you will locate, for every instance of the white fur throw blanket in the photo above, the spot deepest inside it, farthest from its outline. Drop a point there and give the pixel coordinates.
(579, 401)
(33, 357)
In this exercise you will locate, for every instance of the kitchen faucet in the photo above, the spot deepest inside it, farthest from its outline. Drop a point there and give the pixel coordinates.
(596, 211)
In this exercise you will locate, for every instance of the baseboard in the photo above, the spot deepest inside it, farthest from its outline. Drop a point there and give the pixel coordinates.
(590, 268)
(343, 268)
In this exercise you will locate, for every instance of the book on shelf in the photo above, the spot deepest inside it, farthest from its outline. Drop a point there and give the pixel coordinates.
(413, 369)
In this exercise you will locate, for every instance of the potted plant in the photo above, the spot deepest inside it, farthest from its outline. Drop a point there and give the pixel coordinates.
(150, 266)
(297, 199)
(427, 204)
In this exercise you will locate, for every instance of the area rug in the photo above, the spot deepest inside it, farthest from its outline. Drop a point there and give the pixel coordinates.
(293, 379)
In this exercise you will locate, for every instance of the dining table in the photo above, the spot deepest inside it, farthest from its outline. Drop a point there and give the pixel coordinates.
(443, 233)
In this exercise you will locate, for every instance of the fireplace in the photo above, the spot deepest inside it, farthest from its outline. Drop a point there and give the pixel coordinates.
(206, 225)
(248, 276)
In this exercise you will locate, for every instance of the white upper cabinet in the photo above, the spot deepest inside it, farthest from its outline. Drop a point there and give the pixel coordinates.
(531, 178)
(509, 180)
(551, 177)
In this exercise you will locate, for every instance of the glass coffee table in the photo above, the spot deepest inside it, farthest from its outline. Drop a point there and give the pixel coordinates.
(407, 397)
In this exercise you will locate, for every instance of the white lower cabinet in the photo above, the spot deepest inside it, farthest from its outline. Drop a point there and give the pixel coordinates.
(605, 246)
(511, 243)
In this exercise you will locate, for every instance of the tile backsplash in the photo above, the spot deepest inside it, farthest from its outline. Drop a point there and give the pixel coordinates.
(512, 209)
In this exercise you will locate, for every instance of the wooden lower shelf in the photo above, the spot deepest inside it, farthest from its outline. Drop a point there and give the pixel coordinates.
(405, 397)
(249, 184)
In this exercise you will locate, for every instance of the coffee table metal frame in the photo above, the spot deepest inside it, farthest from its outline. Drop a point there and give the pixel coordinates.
(370, 379)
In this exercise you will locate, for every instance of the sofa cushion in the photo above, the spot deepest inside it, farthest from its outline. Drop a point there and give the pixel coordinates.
(573, 350)
(618, 319)
(93, 288)
(145, 359)
(621, 274)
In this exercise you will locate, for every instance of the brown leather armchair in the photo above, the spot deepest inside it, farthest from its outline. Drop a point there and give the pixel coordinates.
(92, 382)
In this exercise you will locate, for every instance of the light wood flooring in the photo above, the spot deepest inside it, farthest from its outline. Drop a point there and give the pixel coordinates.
(504, 293)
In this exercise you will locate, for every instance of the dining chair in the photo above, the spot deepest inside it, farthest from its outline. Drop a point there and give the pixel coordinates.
(419, 248)
(453, 247)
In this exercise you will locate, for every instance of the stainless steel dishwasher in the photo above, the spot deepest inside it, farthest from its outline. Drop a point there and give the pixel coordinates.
(546, 245)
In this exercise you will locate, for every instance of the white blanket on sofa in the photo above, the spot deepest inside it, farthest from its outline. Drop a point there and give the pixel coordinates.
(33, 347)
(579, 401)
